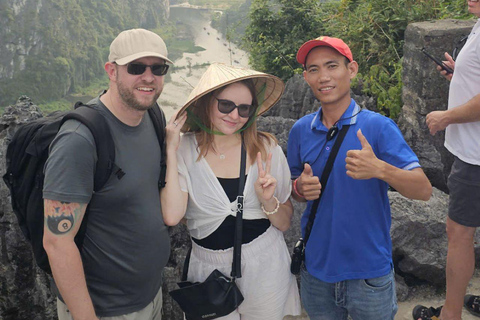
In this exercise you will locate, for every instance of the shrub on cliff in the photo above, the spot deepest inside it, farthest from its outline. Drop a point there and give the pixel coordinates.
(374, 30)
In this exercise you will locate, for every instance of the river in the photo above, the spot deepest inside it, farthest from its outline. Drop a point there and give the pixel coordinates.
(217, 49)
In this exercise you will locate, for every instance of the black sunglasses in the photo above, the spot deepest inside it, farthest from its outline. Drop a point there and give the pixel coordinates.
(458, 47)
(227, 106)
(139, 68)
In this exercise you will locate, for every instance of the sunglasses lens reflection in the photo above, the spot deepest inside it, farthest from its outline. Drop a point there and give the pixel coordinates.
(159, 69)
(227, 106)
(138, 68)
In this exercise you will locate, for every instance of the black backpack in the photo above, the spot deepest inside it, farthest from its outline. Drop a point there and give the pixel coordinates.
(26, 156)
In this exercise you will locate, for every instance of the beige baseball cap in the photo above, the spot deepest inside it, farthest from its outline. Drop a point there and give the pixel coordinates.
(134, 44)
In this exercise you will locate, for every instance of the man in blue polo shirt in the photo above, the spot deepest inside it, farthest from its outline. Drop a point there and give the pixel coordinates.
(348, 258)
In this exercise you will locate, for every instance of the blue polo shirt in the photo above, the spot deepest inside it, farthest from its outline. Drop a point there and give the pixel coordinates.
(350, 238)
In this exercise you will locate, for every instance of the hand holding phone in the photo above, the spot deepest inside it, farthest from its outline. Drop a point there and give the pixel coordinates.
(438, 62)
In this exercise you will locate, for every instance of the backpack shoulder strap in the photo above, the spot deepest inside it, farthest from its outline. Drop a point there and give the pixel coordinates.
(159, 122)
(105, 146)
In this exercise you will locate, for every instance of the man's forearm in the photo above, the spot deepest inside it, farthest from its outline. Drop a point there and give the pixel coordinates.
(67, 270)
(412, 184)
(467, 112)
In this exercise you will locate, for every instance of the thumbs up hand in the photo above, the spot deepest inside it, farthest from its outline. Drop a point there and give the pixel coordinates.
(363, 164)
(308, 185)
(307, 170)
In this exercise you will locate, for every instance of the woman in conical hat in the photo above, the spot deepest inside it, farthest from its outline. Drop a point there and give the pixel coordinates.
(202, 186)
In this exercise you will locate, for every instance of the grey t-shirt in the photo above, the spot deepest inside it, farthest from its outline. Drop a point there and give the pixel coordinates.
(127, 244)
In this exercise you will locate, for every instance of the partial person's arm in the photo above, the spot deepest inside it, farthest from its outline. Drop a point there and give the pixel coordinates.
(265, 188)
(467, 112)
(283, 217)
(62, 222)
(173, 199)
(364, 164)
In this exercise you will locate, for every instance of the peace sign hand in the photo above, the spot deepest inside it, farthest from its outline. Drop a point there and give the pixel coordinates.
(265, 184)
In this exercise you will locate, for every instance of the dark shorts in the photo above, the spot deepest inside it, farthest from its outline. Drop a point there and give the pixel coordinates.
(464, 186)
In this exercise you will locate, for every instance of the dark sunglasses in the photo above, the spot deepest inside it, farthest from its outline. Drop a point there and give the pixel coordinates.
(458, 47)
(139, 68)
(227, 106)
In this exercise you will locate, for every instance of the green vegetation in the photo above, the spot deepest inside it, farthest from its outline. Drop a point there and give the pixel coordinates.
(276, 31)
(374, 30)
(233, 21)
(75, 38)
(178, 47)
(178, 39)
(68, 40)
(211, 4)
(60, 104)
(83, 94)
(66, 44)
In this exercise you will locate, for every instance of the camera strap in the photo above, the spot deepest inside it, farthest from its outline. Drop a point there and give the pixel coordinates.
(324, 179)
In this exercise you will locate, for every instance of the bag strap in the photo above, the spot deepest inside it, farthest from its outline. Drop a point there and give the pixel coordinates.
(105, 148)
(186, 263)
(323, 180)
(100, 130)
(158, 118)
(237, 244)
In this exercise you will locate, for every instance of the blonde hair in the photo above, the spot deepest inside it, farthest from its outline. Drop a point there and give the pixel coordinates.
(254, 141)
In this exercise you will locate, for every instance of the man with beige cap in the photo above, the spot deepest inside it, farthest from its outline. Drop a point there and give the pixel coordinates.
(118, 272)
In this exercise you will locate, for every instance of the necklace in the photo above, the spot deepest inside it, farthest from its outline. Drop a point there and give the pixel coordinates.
(222, 155)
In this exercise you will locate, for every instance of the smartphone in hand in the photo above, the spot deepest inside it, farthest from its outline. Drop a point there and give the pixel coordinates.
(438, 62)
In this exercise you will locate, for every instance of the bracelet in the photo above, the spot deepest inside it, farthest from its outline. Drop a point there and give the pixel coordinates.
(296, 190)
(274, 210)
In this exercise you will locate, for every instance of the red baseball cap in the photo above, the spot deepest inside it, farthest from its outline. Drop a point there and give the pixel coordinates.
(322, 41)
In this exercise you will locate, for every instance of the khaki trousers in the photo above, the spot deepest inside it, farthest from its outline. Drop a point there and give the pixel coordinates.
(153, 311)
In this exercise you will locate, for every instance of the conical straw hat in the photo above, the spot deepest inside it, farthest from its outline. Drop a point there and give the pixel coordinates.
(269, 88)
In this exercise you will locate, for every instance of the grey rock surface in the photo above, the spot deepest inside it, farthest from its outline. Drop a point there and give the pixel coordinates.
(24, 288)
(419, 237)
(424, 90)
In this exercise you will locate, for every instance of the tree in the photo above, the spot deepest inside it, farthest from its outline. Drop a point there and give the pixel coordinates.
(374, 30)
(277, 29)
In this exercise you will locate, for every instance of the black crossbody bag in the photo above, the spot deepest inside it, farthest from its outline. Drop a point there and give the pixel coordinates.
(218, 295)
(298, 255)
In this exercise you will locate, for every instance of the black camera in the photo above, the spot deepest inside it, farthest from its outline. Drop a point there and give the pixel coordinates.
(298, 256)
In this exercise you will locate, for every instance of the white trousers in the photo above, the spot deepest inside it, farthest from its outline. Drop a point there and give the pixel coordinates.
(269, 289)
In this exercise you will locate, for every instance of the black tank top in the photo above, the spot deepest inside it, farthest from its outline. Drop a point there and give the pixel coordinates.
(222, 238)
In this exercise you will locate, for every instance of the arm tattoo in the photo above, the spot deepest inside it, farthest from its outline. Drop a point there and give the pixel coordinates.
(61, 216)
